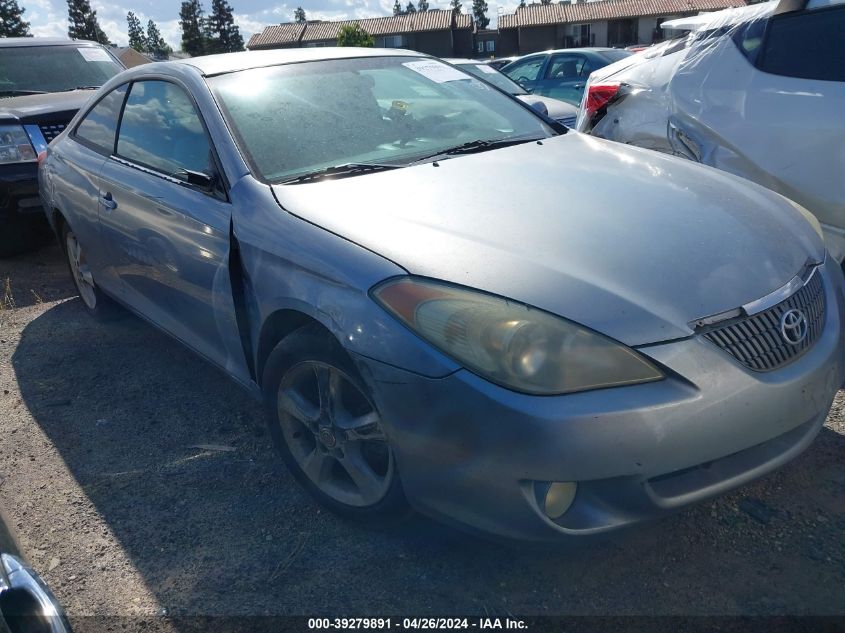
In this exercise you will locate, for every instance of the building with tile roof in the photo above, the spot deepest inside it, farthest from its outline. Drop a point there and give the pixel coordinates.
(617, 23)
(436, 32)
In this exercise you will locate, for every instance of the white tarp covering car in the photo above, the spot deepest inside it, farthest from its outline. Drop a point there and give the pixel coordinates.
(757, 91)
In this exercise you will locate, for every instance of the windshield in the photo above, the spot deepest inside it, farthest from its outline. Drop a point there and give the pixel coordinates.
(298, 118)
(500, 80)
(54, 68)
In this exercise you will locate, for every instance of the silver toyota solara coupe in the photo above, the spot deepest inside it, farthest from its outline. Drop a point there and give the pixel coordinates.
(445, 299)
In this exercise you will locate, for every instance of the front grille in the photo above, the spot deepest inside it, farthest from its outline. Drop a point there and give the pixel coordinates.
(756, 341)
(51, 130)
(569, 121)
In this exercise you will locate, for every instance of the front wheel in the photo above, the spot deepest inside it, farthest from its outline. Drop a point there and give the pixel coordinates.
(327, 429)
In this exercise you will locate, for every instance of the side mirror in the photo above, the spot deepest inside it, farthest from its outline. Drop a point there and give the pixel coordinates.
(540, 107)
(198, 178)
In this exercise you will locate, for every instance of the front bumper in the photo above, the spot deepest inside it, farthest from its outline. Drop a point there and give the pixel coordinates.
(472, 452)
(19, 200)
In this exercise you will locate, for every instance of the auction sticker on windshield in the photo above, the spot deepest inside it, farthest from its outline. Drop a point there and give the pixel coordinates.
(92, 54)
(436, 71)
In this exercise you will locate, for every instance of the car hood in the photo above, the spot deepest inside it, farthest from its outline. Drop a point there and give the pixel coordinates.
(628, 242)
(31, 107)
(557, 109)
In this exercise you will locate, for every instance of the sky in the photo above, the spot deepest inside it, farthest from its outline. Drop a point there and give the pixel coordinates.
(48, 18)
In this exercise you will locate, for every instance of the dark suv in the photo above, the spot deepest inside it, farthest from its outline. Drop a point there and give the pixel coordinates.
(43, 82)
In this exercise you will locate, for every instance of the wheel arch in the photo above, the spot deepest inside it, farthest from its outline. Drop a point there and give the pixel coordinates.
(57, 221)
(278, 326)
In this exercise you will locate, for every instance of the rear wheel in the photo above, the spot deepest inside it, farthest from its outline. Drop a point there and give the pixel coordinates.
(95, 302)
(327, 429)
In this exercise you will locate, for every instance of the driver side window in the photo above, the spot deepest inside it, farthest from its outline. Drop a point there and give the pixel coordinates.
(160, 129)
(526, 70)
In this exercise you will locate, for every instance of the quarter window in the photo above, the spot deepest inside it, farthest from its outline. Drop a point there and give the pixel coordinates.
(161, 129)
(100, 124)
(808, 45)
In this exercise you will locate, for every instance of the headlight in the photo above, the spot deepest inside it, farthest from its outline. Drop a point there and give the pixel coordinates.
(511, 344)
(15, 146)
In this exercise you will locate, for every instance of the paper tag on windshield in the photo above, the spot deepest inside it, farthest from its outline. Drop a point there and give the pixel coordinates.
(93, 54)
(436, 71)
(487, 69)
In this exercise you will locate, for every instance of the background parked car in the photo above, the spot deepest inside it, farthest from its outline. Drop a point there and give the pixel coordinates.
(756, 91)
(43, 82)
(561, 74)
(561, 111)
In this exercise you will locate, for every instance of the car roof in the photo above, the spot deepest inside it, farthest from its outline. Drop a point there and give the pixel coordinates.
(725, 17)
(231, 62)
(15, 42)
(585, 49)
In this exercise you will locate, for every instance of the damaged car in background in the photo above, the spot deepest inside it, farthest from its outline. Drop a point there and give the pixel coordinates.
(757, 91)
(554, 354)
(43, 82)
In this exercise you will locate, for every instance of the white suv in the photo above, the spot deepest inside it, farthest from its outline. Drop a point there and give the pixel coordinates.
(757, 91)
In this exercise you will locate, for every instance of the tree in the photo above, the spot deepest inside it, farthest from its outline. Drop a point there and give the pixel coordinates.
(191, 21)
(354, 35)
(299, 15)
(156, 45)
(82, 22)
(479, 12)
(11, 20)
(226, 37)
(397, 8)
(521, 4)
(423, 5)
(410, 8)
(137, 38)
(456, 6)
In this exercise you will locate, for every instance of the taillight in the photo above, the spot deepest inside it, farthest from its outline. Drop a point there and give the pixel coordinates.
(41, 156)
(599, 96)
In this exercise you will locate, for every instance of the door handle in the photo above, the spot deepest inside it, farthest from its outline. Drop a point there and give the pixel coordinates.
(107, 201)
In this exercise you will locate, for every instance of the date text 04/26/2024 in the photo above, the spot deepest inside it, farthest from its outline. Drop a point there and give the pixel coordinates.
(417, 623)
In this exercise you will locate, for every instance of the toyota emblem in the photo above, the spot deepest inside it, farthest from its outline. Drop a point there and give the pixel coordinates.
(793, 326)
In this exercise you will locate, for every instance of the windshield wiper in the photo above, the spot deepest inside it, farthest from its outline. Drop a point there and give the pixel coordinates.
(21, 93)
(340, 171)
(81, 88)
(474, 147)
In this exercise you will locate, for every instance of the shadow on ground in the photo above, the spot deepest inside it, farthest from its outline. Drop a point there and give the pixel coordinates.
(230, 532)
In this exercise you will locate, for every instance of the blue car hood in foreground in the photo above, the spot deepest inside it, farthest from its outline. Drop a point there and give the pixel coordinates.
(626, 241)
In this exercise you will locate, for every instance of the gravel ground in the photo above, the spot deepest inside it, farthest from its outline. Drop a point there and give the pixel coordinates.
(112, 498)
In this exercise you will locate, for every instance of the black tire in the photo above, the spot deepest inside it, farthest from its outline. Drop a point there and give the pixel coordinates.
(95, 301)
(311, 346)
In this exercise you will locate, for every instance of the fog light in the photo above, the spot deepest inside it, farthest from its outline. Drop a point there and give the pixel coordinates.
(559, 497)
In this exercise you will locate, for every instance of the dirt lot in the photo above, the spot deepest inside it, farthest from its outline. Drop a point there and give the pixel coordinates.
(112, 499)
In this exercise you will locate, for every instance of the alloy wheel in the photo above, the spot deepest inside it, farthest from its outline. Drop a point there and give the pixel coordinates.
(81, 271)
(334, 433)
